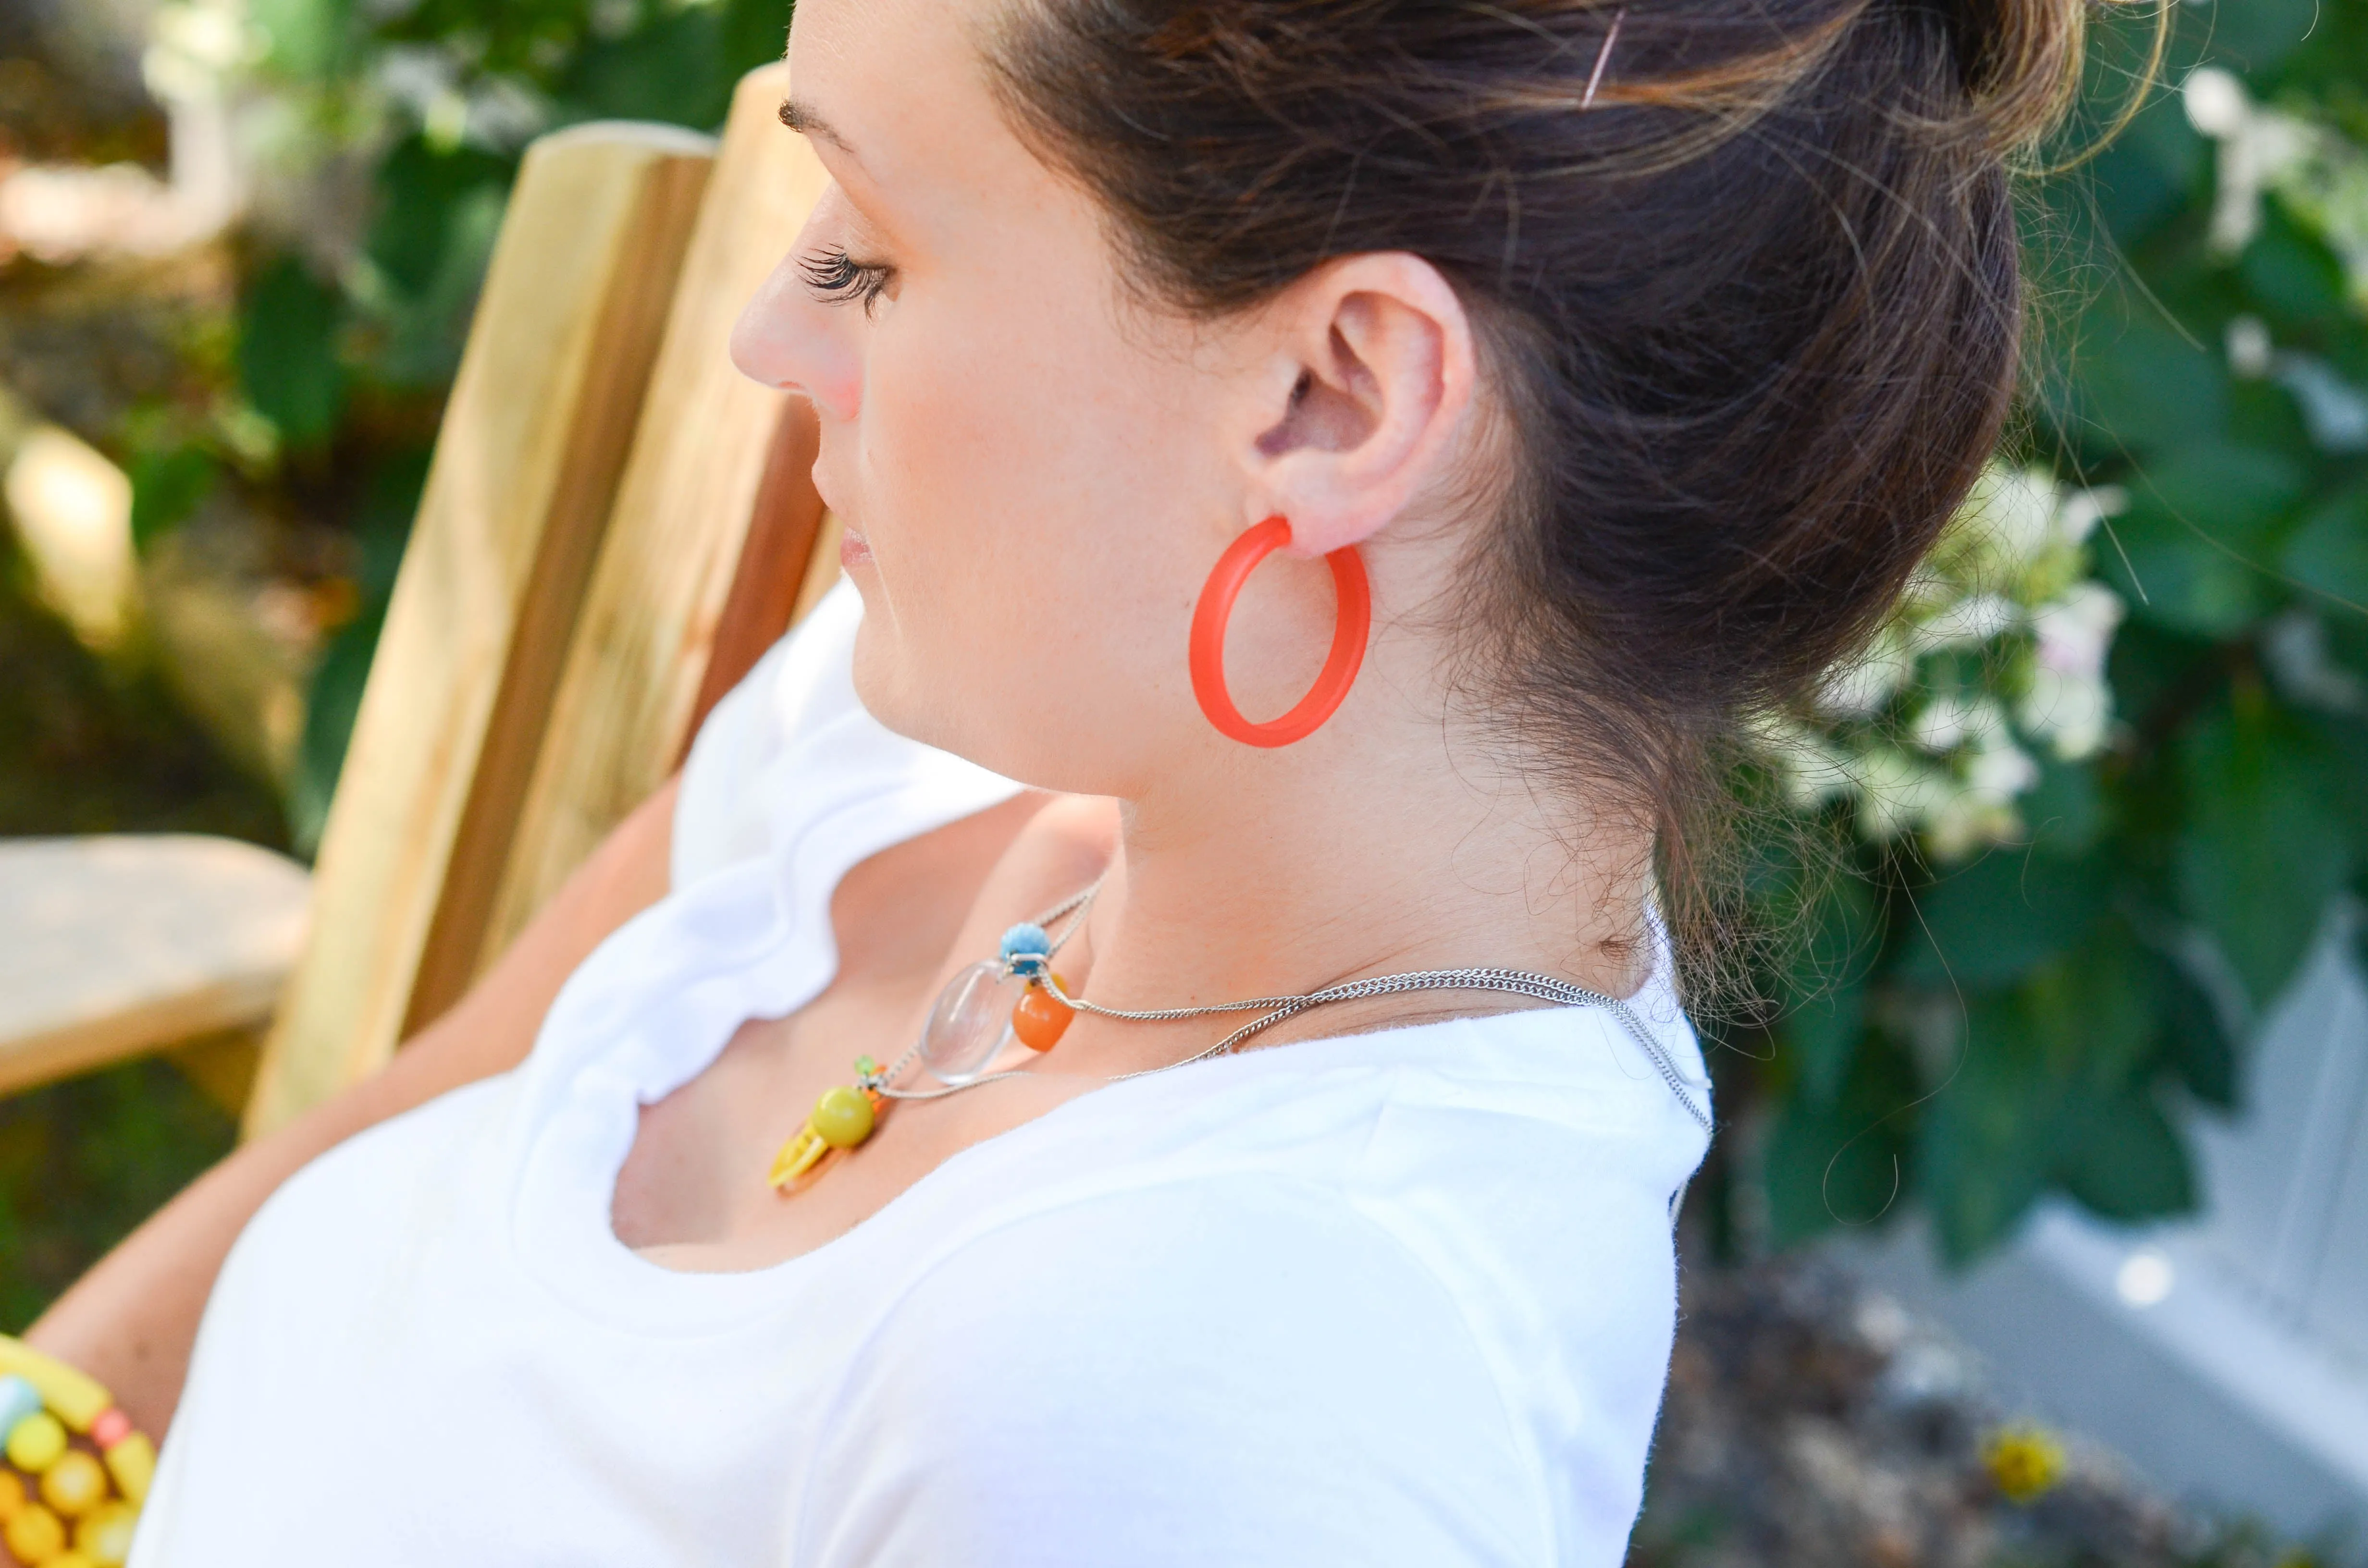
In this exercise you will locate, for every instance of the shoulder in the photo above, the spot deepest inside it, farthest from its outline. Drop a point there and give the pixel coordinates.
(1234, 1370)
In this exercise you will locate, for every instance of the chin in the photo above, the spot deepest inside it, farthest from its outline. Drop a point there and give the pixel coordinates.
(927, 704)
(1001, 730)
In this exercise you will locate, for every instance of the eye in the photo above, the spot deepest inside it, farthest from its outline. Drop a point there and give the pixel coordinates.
(838, 278)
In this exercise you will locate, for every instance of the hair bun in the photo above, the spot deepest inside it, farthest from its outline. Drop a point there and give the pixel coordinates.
(2021, 64)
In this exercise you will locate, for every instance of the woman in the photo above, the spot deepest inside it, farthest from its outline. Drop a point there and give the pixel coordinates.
(1624, 361)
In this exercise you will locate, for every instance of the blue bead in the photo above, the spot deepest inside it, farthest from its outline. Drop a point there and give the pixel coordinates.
(1024, 948)
(19, 1399)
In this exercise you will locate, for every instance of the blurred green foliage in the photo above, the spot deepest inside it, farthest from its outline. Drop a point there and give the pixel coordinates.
(2050, 1016)
(343, 348)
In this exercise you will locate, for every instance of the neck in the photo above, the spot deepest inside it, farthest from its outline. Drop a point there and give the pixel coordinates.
(1347, 858)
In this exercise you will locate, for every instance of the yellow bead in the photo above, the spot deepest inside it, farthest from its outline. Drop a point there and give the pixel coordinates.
(105, 1534)
(132, 1462)
(71, 1560)
(74, 1484)
(35, 1535)
(842, 1118)
(78, 1399)
(35, 1443)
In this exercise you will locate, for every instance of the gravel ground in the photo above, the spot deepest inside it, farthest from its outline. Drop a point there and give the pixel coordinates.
(1812, 1423)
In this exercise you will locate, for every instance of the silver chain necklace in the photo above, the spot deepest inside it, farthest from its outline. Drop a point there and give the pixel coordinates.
(1513, 981)
(968, 1037)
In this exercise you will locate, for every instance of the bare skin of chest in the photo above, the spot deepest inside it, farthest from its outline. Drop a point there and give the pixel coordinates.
(692, 1194)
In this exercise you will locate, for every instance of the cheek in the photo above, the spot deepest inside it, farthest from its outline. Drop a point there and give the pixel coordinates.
(1030, 494)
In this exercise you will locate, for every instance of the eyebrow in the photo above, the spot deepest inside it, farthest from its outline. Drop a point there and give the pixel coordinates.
(802, 119)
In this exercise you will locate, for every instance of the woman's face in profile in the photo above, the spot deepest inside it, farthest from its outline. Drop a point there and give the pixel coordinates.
(1033, 465)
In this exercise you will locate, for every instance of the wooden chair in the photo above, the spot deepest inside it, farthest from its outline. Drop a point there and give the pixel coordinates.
(615, 527)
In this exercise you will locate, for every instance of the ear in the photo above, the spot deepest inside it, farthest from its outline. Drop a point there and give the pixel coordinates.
(1369, 386)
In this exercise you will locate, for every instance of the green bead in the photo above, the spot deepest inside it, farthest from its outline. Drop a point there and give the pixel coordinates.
(867, 1066)
(843, 1116)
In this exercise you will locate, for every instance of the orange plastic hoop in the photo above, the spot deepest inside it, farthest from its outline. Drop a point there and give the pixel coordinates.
(1216, 607)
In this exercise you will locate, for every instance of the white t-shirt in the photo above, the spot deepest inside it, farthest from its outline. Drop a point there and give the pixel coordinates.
(1402, 1298)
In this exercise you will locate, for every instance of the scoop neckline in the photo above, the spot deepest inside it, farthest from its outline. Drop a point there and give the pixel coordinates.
(563, 1234)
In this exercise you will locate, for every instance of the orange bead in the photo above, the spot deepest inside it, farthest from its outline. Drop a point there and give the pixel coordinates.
(34, 1534)
(12, 1495)
(1038, 1018)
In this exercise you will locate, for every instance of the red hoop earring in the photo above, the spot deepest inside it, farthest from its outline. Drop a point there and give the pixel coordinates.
(1216, 607)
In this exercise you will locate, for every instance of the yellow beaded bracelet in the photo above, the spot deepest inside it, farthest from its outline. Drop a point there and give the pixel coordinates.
(44, 1404)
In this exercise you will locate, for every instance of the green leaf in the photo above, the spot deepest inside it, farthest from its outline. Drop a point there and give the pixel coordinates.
(2120, 1156)
(1828, 987)
(2051, 1090)
(673, 69)
(2194, 1046)
(2066, 809)
(1844, 1163)
(383, 525)
(2148, 388)
(331, 707)
(1982, 1156)
(2293, 273)
(2090, 1013)
(2149, 172)
(752, 33)
(2254, 35)
(307, 37)
(2329, 552)
(166, 487)
(1999, 918)
(287, 352)
(2193, 550)
(2263, 847)
(420, 192)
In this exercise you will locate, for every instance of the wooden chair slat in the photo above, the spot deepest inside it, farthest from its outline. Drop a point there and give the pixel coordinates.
(115, 945)
(775, 560)
(518, 493)
(716, 471)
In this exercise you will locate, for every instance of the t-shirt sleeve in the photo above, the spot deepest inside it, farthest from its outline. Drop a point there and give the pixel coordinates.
(1219, 1371)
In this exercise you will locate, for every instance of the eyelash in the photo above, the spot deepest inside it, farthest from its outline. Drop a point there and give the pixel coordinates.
(838, 278)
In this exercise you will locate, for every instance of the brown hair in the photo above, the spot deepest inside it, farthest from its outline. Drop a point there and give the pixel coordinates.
(1754, 313)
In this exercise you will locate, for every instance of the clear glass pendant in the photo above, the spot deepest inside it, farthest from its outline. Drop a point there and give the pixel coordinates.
(971, 1025)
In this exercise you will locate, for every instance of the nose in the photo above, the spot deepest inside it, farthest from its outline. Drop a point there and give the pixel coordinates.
(785, 338)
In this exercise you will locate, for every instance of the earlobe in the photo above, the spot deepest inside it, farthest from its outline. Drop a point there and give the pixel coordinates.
(1383, 360)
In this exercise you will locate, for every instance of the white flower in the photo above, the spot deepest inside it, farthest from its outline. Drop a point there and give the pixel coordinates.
(1999, 770)
(2084, 509)
(2015, 507)
(1812, 768)
(2214, 101)
(1966, 823)
(2249, 350)
(1898, 791)
(2069, 711)
(1859, 690)
(2260, 149)
(1966, 623)
(1952, 718)
(2076, 630)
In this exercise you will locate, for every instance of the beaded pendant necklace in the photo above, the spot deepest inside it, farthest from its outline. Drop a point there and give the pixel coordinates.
(1017, 998)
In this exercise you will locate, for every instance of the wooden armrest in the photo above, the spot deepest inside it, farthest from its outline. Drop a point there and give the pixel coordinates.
(112, 946)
